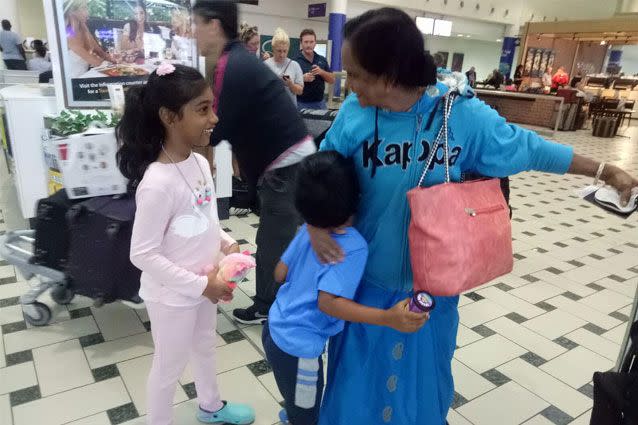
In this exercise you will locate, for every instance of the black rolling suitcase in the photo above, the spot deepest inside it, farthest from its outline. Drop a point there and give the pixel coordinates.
(99, 264)
(616, 393)
(604, 126)
(51, 231)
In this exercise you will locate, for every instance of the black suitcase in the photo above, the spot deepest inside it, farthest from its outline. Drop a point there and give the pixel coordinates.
(616, 393)
(51, 231)
(99, 265)
(604, 126)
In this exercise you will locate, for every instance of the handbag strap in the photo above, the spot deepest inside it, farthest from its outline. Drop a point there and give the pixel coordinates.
(442, 134)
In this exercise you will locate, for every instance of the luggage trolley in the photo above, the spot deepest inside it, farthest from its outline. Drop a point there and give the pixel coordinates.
(17, 248)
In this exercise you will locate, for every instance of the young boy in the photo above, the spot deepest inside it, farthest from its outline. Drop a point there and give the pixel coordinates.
(316, 298)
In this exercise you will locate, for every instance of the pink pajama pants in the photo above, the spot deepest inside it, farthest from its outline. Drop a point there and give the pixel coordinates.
(181, 334)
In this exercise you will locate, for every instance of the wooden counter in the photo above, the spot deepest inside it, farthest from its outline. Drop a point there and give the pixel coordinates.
(524, 108)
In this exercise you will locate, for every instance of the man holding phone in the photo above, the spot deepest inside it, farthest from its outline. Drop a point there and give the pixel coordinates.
(316, 73)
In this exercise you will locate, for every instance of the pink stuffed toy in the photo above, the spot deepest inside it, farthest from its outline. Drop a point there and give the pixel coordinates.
(233, 269)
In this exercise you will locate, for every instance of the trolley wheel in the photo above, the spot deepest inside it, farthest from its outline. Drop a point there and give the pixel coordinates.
(37, 313)
(61, 294)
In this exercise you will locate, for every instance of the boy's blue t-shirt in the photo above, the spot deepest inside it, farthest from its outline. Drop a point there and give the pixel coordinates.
(296, 324)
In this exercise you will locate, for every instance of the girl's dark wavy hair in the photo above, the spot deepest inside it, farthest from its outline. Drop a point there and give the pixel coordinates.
(140, 133)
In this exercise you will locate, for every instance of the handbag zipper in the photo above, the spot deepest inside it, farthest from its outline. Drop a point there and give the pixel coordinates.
(472, 212)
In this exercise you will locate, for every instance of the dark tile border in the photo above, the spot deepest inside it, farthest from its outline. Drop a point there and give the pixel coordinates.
(533, 359)
(19, 357)
(233, 336)
(105, 372)
(458, 401)
(545, 306)
(25, 395)
(190, 390)
(495, 377)
(14, 327)
(588, 390)
(515, 317)
(474, 296)
(594, 329)
(571, 296)
(259, 368)
(557, 416)
(123, 413)
(566, 343)
(93, 339)
(483, 330)
(8, 302)
(80, 312)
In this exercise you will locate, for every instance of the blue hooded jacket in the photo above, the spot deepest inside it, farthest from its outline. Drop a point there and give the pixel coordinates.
(480, 142)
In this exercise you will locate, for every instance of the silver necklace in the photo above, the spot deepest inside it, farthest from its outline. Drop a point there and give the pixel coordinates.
(200, 199)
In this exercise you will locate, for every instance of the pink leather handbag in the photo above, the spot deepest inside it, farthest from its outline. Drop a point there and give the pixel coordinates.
(460, 233)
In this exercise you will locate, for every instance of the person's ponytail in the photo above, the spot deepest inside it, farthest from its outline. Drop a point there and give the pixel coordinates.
(139, 135)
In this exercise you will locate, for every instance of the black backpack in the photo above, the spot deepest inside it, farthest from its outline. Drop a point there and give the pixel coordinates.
(616, 393)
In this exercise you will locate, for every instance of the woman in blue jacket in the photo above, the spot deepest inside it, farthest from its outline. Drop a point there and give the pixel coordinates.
(406, 378)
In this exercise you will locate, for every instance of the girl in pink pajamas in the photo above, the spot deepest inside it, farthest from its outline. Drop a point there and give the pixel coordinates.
(176, 234)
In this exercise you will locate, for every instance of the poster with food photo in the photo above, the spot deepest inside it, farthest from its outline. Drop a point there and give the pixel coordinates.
(106, 42)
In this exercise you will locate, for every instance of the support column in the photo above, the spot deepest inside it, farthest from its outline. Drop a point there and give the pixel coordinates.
(337, 20)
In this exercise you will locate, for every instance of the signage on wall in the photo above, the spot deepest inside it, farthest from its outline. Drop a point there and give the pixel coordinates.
(507, 55)
(106, 42)
(317, 10)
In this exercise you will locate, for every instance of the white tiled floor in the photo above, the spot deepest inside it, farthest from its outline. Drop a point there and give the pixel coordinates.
(528, 342)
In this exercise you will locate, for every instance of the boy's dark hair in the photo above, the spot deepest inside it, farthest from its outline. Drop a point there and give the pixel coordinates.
(387, 43)
(327, 190)
(223, 10)
(307, 31)
(140, 133)
(6, 25)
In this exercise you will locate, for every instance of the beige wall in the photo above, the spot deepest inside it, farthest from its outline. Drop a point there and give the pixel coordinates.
(31, 17)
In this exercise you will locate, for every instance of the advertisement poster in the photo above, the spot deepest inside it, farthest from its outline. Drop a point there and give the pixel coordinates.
(106, 42)
(544, 62)
(550, 61)
(529, 62)
(536, 73)
(443, 57)
(507, 55)
(457, 62)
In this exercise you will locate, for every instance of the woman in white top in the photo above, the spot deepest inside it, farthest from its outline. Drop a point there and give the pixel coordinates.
(547, 79)
(132, 41)
(284, 67)
(39, 62)
(84, 50)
